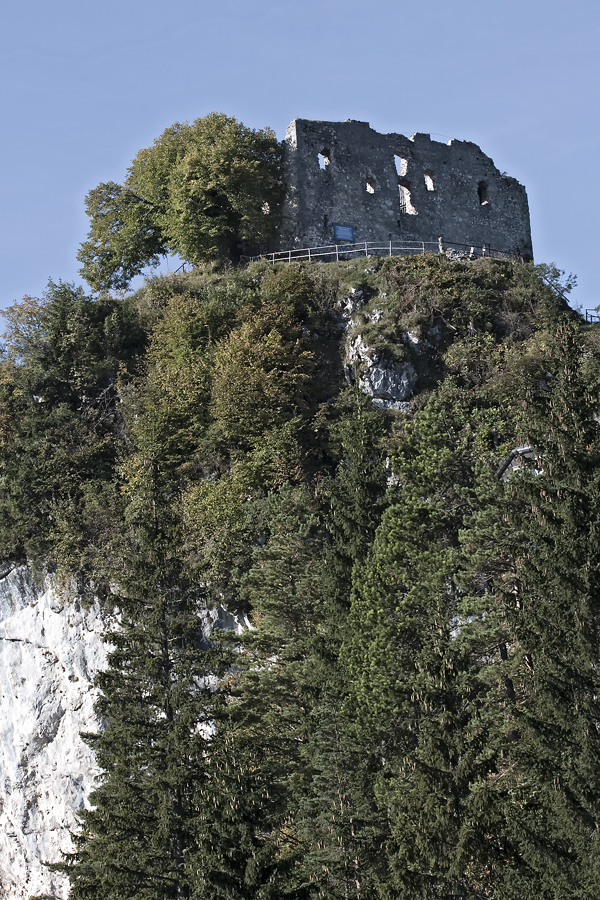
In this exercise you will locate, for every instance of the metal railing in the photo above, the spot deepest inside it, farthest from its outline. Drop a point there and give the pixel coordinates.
(452, 249)
(592, 315)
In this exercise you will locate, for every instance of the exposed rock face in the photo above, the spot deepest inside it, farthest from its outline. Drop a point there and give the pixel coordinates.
(389, 381)
(49, 652)
(389, 384)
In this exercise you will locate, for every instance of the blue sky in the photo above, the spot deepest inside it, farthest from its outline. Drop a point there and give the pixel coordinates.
(84, 86)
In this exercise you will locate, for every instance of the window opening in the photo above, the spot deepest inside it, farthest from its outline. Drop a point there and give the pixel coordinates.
(324, 159)
(370, 185)
(429, 180)
(482, 191)
(401, 165)
(405, 199)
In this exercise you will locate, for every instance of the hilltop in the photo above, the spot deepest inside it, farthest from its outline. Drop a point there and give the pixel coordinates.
(397, 693)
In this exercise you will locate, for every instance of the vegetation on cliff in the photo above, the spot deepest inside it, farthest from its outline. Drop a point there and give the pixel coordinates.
(413, 711)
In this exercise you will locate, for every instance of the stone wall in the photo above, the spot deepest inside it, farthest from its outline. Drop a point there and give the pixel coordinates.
(388, 187)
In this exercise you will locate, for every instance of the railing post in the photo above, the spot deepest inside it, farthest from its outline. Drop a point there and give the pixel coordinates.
(390, 248)
(423, 248)
(366, 251)
(337, 254)
(309, 254)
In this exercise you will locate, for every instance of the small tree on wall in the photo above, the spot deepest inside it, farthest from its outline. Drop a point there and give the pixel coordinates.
(199, 191)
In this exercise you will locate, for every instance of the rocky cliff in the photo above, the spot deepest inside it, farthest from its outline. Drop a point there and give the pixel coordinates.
(49, 652)
(394, 333)
(50, 649)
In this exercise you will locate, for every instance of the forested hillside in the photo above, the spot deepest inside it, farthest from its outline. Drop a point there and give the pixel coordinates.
(412, 711)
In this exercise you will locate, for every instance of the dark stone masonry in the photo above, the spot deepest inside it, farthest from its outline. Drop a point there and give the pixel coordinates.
(348, 182)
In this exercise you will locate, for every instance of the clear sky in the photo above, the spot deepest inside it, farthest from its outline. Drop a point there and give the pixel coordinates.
(85, 85)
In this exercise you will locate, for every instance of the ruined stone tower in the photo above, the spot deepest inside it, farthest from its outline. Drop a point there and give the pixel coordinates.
(346, 181)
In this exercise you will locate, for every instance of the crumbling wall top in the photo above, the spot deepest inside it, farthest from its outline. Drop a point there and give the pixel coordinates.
(393, 187)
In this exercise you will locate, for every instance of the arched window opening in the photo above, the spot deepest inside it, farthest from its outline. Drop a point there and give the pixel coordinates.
(482, 192)
(401, 165)
(429, 180)
(324, 159)
(405, 199)
(370, 185)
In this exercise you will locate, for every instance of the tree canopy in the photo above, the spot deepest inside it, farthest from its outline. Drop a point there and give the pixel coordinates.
(201, 191)
(398, 696)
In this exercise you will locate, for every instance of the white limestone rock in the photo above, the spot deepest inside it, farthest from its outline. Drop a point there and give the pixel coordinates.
(50, 649)
(389, 381)
(389, 384)
(346, 308)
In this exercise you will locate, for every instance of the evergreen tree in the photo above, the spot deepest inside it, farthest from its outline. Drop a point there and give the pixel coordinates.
(63, 427)
(537, 541)
(341, 827)
(289, 781)
(258, 755)
(422, 683)
(158, 702)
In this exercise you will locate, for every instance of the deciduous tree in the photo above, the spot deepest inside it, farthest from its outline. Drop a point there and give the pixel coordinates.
(201, 191)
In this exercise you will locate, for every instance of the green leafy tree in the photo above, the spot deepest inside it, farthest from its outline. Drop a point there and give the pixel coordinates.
(124, 237)
(200, 191)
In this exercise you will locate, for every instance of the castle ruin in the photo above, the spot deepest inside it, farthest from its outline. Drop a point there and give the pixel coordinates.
(348, 183)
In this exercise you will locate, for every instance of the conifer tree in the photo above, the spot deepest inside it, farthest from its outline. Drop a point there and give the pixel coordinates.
(537, 540)
(258, 754)
(289, 781)
(421, 683)
(342, 829)
(158, 701)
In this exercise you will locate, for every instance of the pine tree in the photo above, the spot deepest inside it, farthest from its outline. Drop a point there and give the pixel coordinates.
(337, 815)
(538, 540)
(420, 675)
(287, 776)
(258, 754)
(158, 702)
